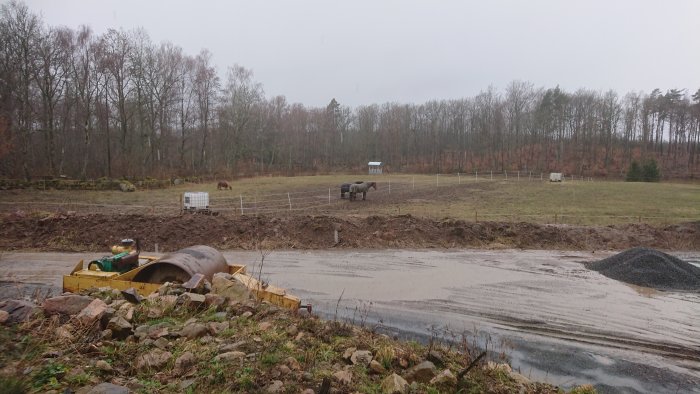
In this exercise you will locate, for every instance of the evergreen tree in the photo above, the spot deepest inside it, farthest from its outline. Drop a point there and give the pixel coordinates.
(634, 174)
(650, 171)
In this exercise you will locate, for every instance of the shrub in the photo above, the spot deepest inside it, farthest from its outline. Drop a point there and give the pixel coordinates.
(650, 171)
(634, 174)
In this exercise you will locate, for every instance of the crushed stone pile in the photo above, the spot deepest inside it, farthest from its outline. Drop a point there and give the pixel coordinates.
(649, 268)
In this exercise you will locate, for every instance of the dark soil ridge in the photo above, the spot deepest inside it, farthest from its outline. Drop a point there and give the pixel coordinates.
(96, 232)
(649, 268)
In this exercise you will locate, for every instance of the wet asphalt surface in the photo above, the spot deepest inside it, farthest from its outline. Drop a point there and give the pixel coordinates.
(552, 318)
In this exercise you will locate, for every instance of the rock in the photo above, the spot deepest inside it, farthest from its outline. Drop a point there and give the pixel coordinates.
(161, 343)
(66, 305)
(132, 295)
(284, 370)
(421, 373)
(107, 315)
(228, 287)
(155, 359)
(275, 387)
(264, 326)
(4, 316)
(127, 187)
(376, 367)
(194, 330)
(230, 356)
(307, 391)
(215, 300)
(348, 353)
(293, 364)
(92, 312)
(106, 335)
(129, 315)
(196, 283)
(186, 384)
(246, 315)
(106, 388)
(64, 333)
(363, 357)
(229, 347)
(292, 330)
(444, 378)
(141, 332)
(158, 330)
(154, 313)
(343, 377)
(103, 365)
(436, 357)
(184, 362)
(120, 327)
(216, 328)
(394, 384)
(193, 300)
(51, 354)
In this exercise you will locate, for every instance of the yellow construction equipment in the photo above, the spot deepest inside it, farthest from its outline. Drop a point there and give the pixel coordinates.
(178, 267)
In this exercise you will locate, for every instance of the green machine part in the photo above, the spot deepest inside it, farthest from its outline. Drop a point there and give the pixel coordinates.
(120, 262)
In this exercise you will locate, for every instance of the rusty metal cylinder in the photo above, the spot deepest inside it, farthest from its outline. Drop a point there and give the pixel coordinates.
(181, 265)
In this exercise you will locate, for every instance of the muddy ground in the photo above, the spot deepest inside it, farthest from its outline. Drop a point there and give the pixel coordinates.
(96, 232)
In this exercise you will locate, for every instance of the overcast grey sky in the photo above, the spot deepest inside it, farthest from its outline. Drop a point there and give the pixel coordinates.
(364, 52)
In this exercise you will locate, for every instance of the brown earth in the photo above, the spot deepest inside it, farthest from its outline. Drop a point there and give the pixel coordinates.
(95, 232)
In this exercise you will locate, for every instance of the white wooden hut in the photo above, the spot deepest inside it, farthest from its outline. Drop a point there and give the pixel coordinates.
(375, 167)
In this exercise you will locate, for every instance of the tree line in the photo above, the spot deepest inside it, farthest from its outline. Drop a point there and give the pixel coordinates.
(116, 104)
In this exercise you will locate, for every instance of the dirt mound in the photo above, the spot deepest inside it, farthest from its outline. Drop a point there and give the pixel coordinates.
(96, 232)
(649, 268)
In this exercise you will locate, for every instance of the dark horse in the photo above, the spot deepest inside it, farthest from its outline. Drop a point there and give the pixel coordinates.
(361, 188)
(345, 188)
(223, 185)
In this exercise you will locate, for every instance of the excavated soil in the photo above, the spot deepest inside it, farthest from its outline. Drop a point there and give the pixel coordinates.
(649, 268)
(95, 232)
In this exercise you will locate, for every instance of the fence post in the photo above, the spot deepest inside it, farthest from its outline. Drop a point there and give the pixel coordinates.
(290, 201)
(414, 182)
(459, 180)
(476, 216)
(491, 174)
(476, 175)
(329, 196)
(540, 176)
(389, 186)
(506, 172)
(241, 197)
(437, 179)
(518, 175)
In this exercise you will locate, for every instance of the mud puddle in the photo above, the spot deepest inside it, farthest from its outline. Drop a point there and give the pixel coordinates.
(555, 320)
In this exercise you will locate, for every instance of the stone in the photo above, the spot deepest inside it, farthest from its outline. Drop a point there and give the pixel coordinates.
(228, 287)
(363, 357)
(154, 313)
(4, 316)
(421, 373)
(275, 387)
(195, 283)
(107, 315)
(161, 343)
(103, 365)
(106, 335)
(307, 391)
(216, 328)
(348, 353)
(132, 296)
(155, 359)
(229, 347)
(64, 333)
(127, 187)
(444, 378)
(215, 300)
(106, 388)
(129, 315)
(292, 330)
(92, 312)
(246, 315)
(436, 357)
(120, 327)
(230, 356)
(184, 363)
(376, 367)
(394, 384)
(343, 377)
(191, 299)
(194, 330)
(293, 364)
(141, 332)
(66, 305)
(265, 326)
(186, 384)
(284, 370)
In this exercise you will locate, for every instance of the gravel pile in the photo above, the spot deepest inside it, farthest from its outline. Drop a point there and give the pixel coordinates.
(650, 268)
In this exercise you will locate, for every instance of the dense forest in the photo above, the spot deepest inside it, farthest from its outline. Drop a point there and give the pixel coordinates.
(113, 105)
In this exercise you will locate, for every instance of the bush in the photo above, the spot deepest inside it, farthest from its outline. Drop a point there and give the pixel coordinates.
(634, 174)
(650, 171)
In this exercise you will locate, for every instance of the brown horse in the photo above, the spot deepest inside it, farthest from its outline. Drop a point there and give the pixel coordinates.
(223, 185)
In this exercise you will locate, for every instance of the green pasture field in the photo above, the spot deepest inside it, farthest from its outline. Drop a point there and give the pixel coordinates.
(436, 196)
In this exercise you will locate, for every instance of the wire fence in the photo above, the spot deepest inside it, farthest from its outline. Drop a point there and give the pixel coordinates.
(396, 194)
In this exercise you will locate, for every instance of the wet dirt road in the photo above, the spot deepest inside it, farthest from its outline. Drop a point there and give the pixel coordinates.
(555, 320)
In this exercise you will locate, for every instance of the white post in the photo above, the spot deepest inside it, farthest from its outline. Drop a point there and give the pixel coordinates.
(506, 172)
(540, 176)
(476, 175)
(459, 180)
(437, 179)
(329, 196)
(518, 175)
(241, 197)
(414, 182)
(389, 186)
(290, 201)
(491, 174)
